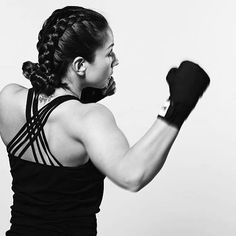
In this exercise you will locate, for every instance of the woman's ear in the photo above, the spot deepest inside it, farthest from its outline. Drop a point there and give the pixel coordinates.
(79, 66)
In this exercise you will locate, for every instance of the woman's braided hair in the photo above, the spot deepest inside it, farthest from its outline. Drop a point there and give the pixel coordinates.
(69, 32)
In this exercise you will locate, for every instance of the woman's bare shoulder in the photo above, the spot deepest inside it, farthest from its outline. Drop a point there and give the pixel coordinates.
(12, 96)
(81, 116)
(85, 113)
(99, 112)
(88, 111)
(12, 103)
(9, 90)
(94, 112)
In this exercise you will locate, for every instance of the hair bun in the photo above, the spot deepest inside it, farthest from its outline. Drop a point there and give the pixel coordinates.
(37, 78)
(29, 68)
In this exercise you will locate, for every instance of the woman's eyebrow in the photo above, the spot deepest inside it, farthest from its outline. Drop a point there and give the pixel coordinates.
(111, 45)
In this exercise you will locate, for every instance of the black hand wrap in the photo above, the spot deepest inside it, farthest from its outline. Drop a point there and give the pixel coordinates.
(186, 85)
(91, 95)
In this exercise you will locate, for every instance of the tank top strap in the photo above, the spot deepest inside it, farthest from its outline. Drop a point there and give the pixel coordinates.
(29, 104)
(21, 133)
(32, 133)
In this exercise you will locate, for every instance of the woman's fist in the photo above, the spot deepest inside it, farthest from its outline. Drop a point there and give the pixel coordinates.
(187, 83)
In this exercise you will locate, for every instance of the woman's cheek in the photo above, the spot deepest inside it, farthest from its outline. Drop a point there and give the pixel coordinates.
(107, 71)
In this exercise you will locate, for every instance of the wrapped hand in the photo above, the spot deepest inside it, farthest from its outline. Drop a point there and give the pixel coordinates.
(92, 95)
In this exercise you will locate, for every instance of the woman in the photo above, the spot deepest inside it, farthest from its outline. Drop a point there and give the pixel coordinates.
(61, 144)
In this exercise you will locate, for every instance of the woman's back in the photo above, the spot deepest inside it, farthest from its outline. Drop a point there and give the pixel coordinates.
(67, 149)
(51, 194)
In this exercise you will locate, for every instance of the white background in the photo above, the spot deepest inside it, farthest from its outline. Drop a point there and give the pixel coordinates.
(194, 194)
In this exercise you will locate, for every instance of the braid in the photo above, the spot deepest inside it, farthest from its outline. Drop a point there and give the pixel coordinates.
(42, 74)
(46, 75)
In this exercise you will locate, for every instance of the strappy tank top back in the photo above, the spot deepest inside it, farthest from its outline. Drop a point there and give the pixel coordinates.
(45, 190)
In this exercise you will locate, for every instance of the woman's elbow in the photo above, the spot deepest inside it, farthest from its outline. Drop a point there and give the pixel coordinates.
(130, 179)
(134, 183)
(134, 189)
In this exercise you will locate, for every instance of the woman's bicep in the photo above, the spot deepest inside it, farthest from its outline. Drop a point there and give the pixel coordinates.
(105, 143)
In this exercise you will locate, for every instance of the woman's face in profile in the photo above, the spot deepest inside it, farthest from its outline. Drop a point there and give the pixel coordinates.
(100, 70)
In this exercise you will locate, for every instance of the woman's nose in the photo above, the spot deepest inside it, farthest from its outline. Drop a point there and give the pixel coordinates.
(115, 61)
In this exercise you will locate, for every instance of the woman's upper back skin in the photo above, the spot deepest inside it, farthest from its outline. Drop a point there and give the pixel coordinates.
(58, 129)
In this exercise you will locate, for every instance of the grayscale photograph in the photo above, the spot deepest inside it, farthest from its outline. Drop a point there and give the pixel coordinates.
(117, 118)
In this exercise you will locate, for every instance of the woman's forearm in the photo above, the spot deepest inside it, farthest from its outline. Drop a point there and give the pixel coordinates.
(147, 156)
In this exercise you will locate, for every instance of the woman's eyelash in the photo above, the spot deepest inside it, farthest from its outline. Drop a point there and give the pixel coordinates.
(110, 53)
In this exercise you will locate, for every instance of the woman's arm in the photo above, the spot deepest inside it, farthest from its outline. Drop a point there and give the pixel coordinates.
(131, 168)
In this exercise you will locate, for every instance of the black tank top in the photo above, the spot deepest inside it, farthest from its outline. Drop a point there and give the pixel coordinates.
(50, 198)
